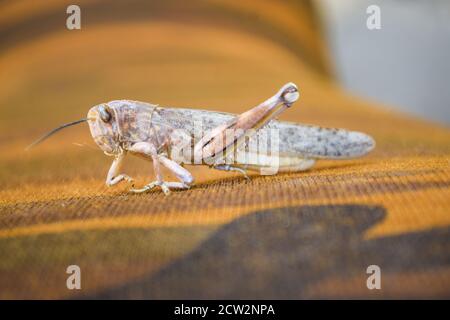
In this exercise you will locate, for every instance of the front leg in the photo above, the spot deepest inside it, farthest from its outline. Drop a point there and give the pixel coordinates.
(148, 150)
(113, 177)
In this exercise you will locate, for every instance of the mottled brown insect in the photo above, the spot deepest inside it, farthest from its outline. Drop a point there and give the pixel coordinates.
(253, 140)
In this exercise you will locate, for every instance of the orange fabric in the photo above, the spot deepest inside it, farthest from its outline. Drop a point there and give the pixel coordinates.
(299, 235)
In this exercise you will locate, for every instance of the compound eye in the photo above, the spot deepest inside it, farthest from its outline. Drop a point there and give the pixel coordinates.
(105, 114)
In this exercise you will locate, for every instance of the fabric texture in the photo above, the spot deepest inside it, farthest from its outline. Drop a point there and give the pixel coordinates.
(310, 234)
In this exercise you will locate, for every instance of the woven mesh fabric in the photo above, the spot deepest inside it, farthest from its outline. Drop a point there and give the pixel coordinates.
(299, 235)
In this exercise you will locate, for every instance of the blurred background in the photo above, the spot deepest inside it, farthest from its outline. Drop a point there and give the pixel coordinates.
(405, 64)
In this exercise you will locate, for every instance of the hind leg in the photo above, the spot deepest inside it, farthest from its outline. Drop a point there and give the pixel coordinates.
(303, 165)
(227, 167)
(285, 165)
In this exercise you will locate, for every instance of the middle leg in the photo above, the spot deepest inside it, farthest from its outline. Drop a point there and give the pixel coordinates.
(147, 149)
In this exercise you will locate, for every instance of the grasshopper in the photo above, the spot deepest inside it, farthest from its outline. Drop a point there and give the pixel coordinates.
(122, 127)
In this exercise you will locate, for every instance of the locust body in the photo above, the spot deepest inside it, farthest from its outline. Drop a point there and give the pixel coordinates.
(254, 140)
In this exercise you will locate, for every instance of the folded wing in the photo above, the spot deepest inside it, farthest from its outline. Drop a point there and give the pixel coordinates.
(301, 140)
(317, 142)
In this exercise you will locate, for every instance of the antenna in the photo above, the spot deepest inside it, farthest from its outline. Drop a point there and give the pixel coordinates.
(44, 137)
